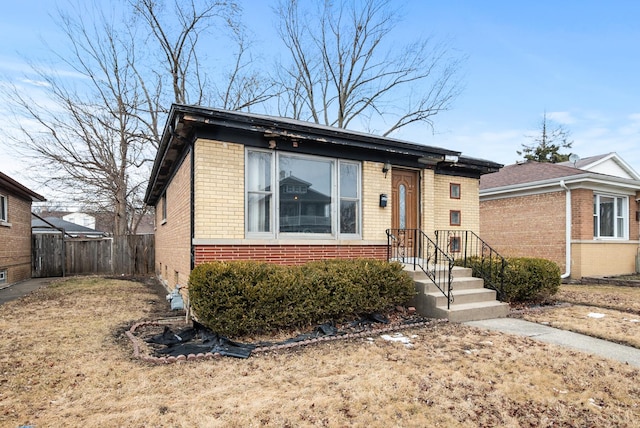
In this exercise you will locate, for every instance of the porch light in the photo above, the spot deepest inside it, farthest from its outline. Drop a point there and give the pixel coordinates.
(386, 168)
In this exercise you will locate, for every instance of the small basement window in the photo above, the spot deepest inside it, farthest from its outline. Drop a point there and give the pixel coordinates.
(3, 276)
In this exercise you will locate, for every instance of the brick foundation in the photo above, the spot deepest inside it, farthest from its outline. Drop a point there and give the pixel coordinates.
(287, 254)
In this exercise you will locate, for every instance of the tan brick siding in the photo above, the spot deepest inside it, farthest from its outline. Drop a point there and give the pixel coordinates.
(219, 190)
(597, 258)
(15, 240)
(526, 226)
(375, 220)
(173, 236)
(468, 204)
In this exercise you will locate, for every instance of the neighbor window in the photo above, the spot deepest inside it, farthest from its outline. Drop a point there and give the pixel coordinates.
(3, 276)
(4, 217)
(312, 195)
(610, 216)
(454, 218)
(454, 191)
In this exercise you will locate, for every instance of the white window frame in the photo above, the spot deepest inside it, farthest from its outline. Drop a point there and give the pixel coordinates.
(274, 232)
(3, 276)
(624, 215)
(4, 209)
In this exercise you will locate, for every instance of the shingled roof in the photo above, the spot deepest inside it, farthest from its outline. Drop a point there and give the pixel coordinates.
(527, 172)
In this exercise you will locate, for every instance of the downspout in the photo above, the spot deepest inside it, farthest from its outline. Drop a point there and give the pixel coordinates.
(567, 273)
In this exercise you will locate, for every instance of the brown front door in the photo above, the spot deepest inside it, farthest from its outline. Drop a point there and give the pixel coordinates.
(404, 206)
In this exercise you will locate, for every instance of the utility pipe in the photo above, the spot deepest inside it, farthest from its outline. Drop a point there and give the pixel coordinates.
(567, 273)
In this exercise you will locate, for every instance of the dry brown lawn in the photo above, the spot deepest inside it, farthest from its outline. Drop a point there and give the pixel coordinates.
(64, 361)
(605, 311)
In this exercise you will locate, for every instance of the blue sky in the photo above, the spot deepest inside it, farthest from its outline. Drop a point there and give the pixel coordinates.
(578, 60)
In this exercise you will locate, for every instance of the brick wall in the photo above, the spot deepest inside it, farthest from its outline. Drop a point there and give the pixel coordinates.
(468, 204)
(173, 236)
(288, 254)
(219, 190)
(375, 220)
(15, 250)
(582, 214)
(526, 226)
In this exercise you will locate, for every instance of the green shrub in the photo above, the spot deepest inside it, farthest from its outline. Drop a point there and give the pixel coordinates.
(525, 279)
(237, 298)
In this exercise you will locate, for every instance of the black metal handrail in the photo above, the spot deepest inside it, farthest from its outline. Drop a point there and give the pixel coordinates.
(414, 247)
(469, 250)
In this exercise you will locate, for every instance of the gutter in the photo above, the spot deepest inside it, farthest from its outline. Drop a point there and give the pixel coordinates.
(567, 273)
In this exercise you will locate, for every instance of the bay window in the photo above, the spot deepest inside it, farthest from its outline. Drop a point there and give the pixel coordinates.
(610, 216)
(299, 195)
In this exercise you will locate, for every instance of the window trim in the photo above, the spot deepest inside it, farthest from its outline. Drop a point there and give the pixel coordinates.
(455, 244)
(3, 276)
(451, 193)
(336, 199)
(163, 210)
(4, 209)
(616, 216)
(451, 214)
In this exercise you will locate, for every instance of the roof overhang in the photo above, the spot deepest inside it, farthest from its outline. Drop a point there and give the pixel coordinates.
(594, 181)
(185, 124)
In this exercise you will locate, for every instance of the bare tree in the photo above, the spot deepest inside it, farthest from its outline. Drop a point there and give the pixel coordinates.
(93, 137)
(552, 139)
(340, 70)
(82, 135)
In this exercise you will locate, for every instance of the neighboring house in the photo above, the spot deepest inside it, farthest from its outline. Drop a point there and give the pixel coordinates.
(83, 219)
(101, 221)
(15, 230)
(56, 225)
(581, 214)
(237, 186)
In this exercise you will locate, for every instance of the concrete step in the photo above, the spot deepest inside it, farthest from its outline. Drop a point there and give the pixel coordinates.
(468, 283)
(473, 311)
(462, 297)
(457, 272)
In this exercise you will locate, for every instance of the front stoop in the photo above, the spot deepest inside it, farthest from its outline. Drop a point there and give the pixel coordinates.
(471, 302)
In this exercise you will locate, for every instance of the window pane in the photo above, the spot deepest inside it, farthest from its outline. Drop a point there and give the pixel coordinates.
(3, 208)
(402, 202)
(305, 195)
(348, 216)
(259, 172)
(606, 216)
(348, 180)
(259, 212)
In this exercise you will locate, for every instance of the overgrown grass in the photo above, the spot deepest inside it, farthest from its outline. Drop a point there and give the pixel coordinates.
(65, 362)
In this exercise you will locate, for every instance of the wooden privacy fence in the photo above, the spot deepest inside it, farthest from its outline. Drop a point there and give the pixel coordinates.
(54, 255)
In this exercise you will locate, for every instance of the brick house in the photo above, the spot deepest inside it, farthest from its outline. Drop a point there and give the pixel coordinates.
(583, 215)
(15, 230)
(229, 185)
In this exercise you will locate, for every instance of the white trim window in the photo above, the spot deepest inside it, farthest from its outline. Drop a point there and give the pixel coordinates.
(291, 195)
(610, 216)
(4, 214)
(3, 276)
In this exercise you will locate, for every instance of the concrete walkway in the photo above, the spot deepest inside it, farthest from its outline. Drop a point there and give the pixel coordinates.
(580, 342)
(20, 289)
